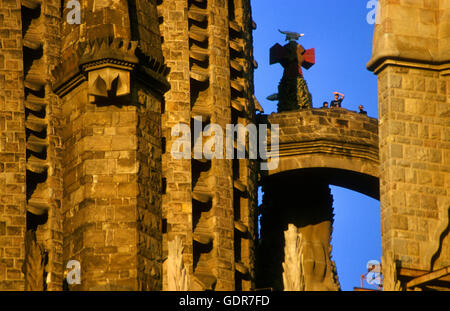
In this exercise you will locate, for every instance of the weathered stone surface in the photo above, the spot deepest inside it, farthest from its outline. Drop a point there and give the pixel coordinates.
(415, 197)
(210, 94)
(12, 148)
(94, 177)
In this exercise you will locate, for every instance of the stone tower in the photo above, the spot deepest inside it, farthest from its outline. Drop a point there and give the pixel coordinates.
(89, 114)
(411, 56)
(86, 170)
(111, 81)
(210, 204)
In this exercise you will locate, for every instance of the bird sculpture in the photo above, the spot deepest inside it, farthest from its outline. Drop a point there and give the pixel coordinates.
(291, 36)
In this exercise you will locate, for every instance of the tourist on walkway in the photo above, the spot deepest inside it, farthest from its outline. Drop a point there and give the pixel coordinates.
(338, 98)
(361, 110)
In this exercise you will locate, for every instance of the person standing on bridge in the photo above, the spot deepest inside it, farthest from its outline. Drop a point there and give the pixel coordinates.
(361, 110)
(338, 98)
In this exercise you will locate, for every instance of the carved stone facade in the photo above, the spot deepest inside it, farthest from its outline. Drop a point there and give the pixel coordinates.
(86, 172)
(85, 154)
(211, 204)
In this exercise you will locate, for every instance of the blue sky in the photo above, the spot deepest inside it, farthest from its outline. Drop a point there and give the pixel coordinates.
(342, 38)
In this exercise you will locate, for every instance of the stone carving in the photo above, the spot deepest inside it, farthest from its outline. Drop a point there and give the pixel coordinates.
(103, 4)
(108, 82)
(317, 265)
(111, 141)
(334, 274)
(107, 64)
(123, 51)
(293, 93)
(302, 272)
(413, 68)
(34, 264)
(293, 278)
(177, 277)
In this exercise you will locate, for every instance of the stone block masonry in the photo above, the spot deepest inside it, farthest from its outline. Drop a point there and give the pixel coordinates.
(415, 166)
(208, 46)
(177, 201)
(12, 148)
(411, 58)
(112, 142)
(112, 216)
(92, 168)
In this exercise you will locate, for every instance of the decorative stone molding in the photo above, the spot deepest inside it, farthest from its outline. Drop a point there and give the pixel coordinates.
(108, 82)
(329, 138)
(107, 64)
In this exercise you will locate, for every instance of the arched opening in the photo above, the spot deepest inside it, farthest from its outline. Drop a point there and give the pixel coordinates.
(356, 236)
(333, 236)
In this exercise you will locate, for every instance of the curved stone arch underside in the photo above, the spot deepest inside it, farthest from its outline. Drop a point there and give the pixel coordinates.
(354, 174)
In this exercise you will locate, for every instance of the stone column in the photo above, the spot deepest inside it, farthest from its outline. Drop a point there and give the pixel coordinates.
(12, 148)
(112, 93)
(411, 56)
(245, 171)
(177, 199)
(209, 203)
(42, 40)
(221, 185)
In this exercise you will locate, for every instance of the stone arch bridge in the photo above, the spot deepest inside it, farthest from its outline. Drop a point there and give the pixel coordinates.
(337, 143)
(317, 147)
